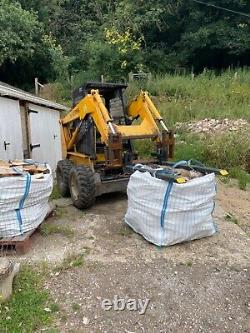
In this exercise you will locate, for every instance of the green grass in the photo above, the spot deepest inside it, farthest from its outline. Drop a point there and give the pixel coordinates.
(189, 263)
(55, 193)
(24, 312)
(181, 98)
(226, 151)
(49, 229)
(73, 260)
(242, 176)
(189, 146)
(75, 307)
(229, 151)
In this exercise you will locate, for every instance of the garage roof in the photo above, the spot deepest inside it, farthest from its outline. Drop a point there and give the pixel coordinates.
(8, 91)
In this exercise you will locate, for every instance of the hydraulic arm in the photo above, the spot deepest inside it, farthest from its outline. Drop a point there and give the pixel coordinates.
(141, 109)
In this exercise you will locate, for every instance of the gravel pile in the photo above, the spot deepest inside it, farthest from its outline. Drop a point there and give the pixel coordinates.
(208, 125)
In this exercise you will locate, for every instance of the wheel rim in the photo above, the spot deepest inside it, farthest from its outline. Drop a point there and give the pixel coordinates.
(74, 187)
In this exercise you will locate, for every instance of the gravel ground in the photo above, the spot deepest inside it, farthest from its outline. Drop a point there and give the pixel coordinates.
(210, 126)
(200, 298)
(200, 286)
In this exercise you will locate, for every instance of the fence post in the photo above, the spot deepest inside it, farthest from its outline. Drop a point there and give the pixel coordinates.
(36, 86)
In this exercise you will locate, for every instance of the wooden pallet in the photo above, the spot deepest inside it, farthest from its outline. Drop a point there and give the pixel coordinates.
(16, 245)
(20, 244)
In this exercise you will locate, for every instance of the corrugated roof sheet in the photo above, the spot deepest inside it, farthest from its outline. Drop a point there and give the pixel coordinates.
(9, 91)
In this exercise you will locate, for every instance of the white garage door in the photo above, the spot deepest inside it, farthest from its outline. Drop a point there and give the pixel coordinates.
(45, 137)
(11, 141)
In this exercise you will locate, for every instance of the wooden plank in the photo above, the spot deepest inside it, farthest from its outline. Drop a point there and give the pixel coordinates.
(7, 168)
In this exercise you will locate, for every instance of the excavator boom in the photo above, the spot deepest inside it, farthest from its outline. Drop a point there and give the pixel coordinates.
(141, 107)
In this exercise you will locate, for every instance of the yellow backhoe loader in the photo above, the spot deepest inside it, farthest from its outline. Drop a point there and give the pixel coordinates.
(97, 140)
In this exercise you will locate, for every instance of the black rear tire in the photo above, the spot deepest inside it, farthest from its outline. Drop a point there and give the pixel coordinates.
(62, 176)
(82, 186)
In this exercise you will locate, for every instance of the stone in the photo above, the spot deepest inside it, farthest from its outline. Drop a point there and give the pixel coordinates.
(211, 126)
(8, 270)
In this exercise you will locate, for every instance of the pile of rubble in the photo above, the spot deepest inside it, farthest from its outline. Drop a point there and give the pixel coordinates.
(213, 125)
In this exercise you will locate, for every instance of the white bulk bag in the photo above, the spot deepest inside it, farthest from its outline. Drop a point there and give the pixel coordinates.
(167, 213)
(23, 203)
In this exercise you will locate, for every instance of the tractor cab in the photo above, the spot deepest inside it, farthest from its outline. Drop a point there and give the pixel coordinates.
(112, 94)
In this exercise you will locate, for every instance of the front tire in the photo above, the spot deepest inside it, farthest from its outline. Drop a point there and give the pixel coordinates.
(62, 176)
(82, 186)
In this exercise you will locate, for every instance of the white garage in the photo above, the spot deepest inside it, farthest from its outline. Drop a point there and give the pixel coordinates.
(29, 127)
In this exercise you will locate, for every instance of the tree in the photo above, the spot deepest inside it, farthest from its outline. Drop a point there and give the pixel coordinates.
(18, 31)
(55, 38)
(26, 51)
(213, 37)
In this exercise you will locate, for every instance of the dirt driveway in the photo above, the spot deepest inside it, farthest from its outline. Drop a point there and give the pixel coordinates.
(201, 286)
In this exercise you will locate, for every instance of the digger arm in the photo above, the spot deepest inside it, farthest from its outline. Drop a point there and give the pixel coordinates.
(92, 105)
(142, 107)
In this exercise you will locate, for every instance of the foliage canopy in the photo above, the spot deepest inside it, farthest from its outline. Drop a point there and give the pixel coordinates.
(58, 38)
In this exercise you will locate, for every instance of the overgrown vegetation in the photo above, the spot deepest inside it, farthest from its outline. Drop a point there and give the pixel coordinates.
(79, 40)
(186, 98)
(30, 307)
(183, 97)
(227, 151)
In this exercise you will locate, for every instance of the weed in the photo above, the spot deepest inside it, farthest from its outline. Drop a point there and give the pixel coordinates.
(125, 231)
(54, 307)
(24, 312)
(144, 147)
(224, 180)
(231, 218)
(226, 151)
(61, 212)
(75, 307)
(242, 176)
(77, 261)
(64, 317)
(189, 263)
(73, 260)
(86, 250)
(55, 193)
(189, 146)
(49, 229)
(181, 99)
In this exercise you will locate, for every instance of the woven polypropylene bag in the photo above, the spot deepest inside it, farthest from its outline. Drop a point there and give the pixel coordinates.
(168, 213)
(23, 203)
